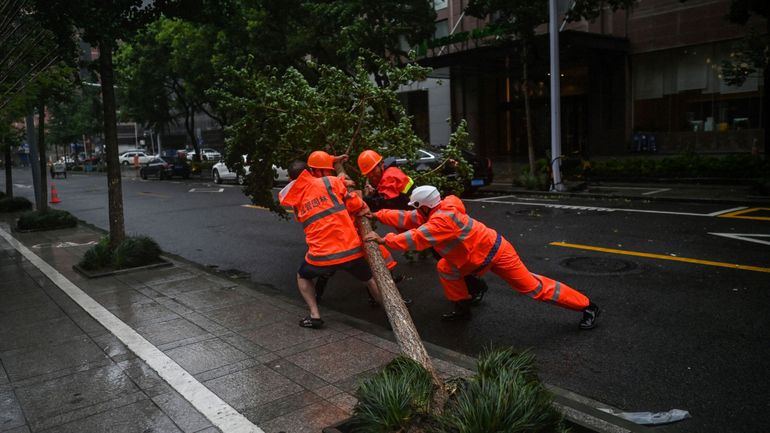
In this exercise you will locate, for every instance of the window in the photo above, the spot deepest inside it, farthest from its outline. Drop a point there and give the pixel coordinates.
(439, 4)
(442, 29)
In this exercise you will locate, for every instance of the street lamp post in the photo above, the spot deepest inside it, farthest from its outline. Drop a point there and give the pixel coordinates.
(553, 31)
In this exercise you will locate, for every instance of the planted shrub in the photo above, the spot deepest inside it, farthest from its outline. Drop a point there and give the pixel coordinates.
(136, 251)
(15, 204)
(132, 252)
(48, 220)
(97, 257)
(392, 399)
(505, 396)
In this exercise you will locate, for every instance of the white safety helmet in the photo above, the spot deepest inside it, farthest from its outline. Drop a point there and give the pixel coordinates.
(425, 195)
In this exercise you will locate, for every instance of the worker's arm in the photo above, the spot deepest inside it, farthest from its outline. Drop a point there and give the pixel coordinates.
(400, 219)
(377, 202)
(352, 200)
(435, 231)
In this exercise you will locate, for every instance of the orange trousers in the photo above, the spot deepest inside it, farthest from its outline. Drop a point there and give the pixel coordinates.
(390, 262)
(507, 265)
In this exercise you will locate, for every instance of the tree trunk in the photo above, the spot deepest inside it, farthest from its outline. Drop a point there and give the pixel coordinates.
(114, 186)
(42, 205)
(527, 115)
(8, 173)
(407, 337)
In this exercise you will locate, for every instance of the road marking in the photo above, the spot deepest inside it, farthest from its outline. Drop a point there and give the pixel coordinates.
(206, 402)
(740, 214)
(662, 257)
(206, 190)
(720, 212)
(153, 194)
(598, 209)
(253, 206)
(19, 185)
(744, 237)
(62, 245)
(656, 191)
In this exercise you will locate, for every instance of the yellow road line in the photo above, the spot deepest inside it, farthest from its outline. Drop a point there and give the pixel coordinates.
(662, 257)
(253, 206)
(740, 214)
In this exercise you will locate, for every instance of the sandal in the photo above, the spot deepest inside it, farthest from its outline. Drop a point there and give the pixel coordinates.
(309, 322)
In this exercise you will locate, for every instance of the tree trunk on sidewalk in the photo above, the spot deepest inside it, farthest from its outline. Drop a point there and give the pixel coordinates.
(114, 185)
(407, 337)
(42, 205)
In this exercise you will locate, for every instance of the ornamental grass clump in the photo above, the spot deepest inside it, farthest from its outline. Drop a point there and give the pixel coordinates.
(506, 396)
(50, 219)
(393, 399)
(136, 251)
(15, 204)
(133, 252)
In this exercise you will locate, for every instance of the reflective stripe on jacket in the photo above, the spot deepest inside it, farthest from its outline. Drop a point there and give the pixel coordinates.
(323, 205)
(460, 239)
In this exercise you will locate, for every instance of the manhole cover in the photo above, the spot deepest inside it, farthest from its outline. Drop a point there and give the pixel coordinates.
(598, 265)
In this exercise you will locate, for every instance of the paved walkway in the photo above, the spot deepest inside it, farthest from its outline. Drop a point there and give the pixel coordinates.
(179, 349)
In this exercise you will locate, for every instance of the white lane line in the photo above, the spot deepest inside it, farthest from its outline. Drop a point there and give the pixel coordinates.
(206, 190)
(206, 402)
(656, 191)
(720, 212)
(599, 209)
(748, 237)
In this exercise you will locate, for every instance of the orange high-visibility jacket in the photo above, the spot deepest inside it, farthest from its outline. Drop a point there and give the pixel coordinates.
(394, 182)
(322, 206)
(461, 240)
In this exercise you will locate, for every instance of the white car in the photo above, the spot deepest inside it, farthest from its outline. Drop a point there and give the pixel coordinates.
(208, 154)
(127, 158)
(221, 172)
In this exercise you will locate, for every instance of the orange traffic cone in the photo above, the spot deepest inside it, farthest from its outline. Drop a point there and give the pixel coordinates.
(54, 195)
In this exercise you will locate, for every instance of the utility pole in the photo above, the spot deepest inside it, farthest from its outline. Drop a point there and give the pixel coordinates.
(553, 31)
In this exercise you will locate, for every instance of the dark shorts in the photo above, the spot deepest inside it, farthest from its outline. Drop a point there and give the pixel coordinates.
(357, 268)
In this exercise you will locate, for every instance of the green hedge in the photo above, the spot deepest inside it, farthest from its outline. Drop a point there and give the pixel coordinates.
(50, 219)
(737, 166)
(15, 204)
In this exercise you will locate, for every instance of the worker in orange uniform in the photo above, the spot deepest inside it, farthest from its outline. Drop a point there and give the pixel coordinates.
(323, 205)
(388, 187)
(469, 247)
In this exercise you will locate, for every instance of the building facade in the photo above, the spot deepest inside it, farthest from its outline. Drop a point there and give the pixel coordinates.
(643, 80)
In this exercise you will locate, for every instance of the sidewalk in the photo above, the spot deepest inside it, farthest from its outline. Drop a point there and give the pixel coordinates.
(216, 354)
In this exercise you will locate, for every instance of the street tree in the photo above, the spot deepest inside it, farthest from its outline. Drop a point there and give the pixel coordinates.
(101, 24)
(164, 71)
(388, 29)
(517, 20)
(76, 117)
(751, 54)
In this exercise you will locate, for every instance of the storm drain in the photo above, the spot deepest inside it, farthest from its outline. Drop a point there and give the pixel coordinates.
(599, 265)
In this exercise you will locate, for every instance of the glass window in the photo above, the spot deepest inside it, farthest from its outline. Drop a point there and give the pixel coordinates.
(442, 29)
(439, 4)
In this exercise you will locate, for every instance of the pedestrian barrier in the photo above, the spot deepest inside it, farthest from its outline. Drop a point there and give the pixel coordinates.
(54, 194)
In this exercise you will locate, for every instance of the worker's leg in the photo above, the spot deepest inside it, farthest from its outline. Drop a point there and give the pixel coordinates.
(455, 289)
(510, 268)
(307, 290)
(360, 269)
(390, 262)
(305, 276)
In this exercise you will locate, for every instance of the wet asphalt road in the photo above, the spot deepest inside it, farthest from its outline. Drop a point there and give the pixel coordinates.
(672, 334)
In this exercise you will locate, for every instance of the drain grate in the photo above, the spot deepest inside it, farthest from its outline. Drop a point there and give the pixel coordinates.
(599, 265)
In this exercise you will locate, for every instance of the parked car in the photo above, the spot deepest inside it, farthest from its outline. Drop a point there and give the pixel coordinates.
(428, 159)
(207, 154)
(221, 172)
(165, 168)
(127, 158)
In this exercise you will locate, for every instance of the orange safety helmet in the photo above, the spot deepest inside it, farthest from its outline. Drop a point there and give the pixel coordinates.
(367, 160)
(320, 159)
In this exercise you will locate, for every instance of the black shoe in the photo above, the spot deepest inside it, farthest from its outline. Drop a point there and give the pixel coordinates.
(590, 313)
(462, 311)
(476, 288)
